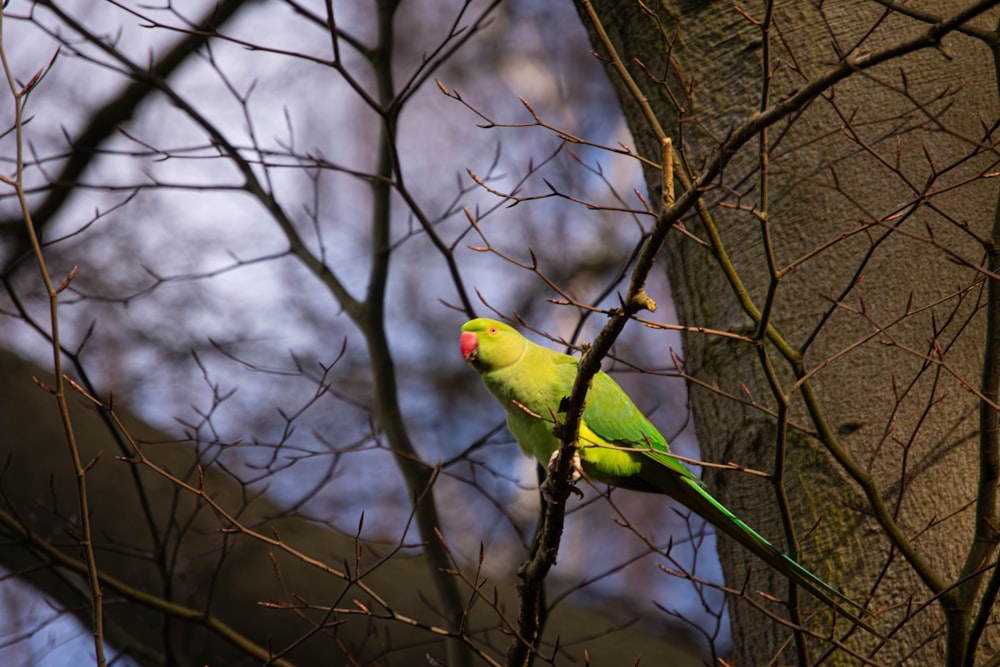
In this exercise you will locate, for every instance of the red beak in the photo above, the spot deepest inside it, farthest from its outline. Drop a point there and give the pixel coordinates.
(470, 346)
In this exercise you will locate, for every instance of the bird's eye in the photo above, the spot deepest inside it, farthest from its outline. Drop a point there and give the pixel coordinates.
(492, 331)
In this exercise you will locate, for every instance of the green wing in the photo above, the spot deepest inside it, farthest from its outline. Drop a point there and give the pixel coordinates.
(615, 419)
(621, 431)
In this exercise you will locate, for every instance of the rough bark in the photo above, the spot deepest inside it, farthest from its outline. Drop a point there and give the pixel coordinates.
(911, 424)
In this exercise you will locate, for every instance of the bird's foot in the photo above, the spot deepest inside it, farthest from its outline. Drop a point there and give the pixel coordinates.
(576, 472)
(576, 467)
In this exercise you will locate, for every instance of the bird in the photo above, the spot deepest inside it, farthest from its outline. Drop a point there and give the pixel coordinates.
(617, 444)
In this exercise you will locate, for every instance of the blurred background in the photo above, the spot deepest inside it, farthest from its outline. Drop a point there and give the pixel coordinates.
(190, 309)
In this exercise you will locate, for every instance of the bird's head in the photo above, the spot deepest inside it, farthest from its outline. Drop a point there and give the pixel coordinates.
(488, 344)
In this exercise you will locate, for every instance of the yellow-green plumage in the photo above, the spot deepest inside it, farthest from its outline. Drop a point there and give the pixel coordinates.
(617, 444)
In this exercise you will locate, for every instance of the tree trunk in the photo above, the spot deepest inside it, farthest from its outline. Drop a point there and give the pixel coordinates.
(875, 207)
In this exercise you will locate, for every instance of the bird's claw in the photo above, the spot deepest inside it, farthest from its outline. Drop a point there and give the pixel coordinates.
(576, 472)
(576, 468)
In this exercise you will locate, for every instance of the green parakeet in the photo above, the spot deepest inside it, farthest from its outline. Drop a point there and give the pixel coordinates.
(617, 444)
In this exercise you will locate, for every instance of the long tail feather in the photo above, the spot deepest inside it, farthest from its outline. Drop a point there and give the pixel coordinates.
(690, 493)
